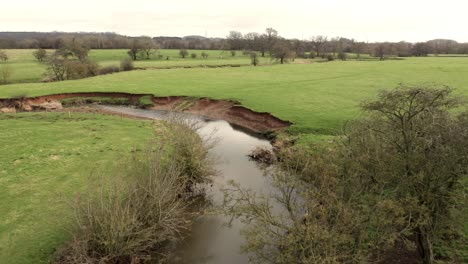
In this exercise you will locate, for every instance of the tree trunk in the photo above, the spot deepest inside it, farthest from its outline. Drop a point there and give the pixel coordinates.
(425, 247)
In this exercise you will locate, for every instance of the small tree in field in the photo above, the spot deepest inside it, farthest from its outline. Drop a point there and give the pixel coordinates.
(193, 55)
(204, 55)
(40, 54)
(254, 58)
(233, 53)
(5, 73)
(3, 56)
(281, 51)
(183, 53)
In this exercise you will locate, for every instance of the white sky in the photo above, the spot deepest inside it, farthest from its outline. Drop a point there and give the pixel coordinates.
(366, 20)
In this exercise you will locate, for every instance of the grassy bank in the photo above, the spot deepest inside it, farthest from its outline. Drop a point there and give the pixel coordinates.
(46, 158)
(318, 98)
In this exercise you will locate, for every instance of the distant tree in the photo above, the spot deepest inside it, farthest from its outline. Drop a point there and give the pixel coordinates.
(420, 49)
(252, 41)
(233, 53)
(234, 40)
(381, 50)
(135, 48)
(193, 55)
(342, 56)
(262, 44)
(281, 51)
(40, 54)
(3, 56)
(204, 55)
(271, 38)
(183, 53)
(318, 44)
(148, 47)
(254, 58)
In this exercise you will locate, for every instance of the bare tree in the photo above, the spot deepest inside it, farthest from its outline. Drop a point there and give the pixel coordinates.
(318, 44)
(281, 51)
(271, 37)
(254, 58)
(235, 40)
(148, 47)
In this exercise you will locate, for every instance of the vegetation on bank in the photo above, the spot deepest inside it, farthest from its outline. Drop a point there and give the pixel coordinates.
(144, 212)
(393, 187)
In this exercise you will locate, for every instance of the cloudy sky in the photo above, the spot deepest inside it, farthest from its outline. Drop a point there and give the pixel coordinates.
(366, 20)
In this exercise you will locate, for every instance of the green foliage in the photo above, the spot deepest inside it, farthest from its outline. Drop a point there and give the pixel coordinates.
(90, 100)
(193, 55)
(145, 101)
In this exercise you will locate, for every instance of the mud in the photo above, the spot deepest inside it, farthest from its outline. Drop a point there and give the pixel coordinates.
(228, 110)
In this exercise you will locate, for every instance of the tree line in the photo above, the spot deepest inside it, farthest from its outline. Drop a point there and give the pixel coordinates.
(261, 42)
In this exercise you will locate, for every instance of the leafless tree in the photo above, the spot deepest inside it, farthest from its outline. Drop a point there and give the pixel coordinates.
(318, 44)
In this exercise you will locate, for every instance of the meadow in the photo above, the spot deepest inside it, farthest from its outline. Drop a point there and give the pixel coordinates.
(318, 98)
(26, 69)
(49, 158)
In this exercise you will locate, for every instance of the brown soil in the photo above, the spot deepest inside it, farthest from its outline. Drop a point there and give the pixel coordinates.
(230, 111)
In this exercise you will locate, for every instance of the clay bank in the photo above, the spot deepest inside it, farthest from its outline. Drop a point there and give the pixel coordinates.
(228, 110)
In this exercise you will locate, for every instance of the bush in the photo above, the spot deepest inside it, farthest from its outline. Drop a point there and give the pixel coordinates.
(108, 70)
(3, 56)
(145, 101)
(193, 55)
(126, 64)
(40, 54)
(204, 55)
(233, 53)
(90, 100)
(142, 212)
(183, 53)
(312, 55)
(342, 56)
(330, 57)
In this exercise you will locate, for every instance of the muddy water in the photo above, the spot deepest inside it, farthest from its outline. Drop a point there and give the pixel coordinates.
(212, 241)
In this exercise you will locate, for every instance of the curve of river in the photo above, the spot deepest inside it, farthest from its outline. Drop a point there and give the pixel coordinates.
(211, 241)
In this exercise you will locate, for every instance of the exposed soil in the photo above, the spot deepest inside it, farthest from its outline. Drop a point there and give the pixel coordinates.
(227, 110)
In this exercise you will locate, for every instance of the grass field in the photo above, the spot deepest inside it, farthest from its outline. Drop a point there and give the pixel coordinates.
(46, 157)
(318, 98)
(26, 69)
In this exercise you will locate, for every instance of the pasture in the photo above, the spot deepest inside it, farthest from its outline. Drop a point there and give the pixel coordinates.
(50, 157)
(318, 98)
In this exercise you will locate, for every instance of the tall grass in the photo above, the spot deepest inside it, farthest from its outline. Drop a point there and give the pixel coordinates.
(142, 213)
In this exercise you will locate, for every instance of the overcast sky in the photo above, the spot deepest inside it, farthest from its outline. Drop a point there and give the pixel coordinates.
(366, 20)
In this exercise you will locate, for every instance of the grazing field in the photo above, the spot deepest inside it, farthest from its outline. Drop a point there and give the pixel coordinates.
(318, 98)
(26, 69)
(46, 157)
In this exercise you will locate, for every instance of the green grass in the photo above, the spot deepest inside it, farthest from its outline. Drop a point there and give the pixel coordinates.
(26, 69)
(46, 158)
(318, 98)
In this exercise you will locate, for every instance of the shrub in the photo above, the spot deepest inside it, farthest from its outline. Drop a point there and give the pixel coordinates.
(145, 101)
(143, 211)
(126, 64)
(312, 55)
(342, 56)
(204, 55)
(233, 53)
(3, 56)
(193, 55)
(330, 57)
(40, 54)
(183, 53)
(108, 70)
(254, 58)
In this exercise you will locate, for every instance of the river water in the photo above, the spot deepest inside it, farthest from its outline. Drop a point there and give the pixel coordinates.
(211, 240)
